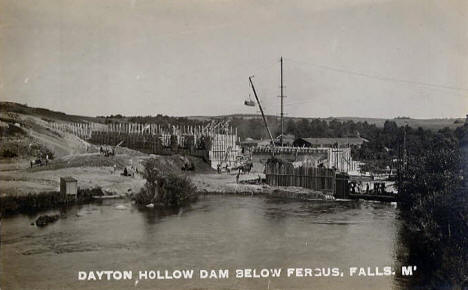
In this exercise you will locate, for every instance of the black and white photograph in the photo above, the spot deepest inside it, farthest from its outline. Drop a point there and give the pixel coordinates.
(233, 144)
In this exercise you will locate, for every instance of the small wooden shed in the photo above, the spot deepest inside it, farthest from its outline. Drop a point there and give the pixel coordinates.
(68, 186)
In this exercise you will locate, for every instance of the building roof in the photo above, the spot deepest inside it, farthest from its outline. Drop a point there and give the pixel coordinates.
(286, 136)
(264, 142)
(68, 179)
(331, 141)
(250, 141)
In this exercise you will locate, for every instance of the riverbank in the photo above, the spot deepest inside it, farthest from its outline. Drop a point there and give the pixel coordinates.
(249, 185)
(24, 189)
(125, 187)
(30, 203)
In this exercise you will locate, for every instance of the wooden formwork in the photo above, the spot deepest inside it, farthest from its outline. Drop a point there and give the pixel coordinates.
(337, 158)
(280, 173)
(214, 144)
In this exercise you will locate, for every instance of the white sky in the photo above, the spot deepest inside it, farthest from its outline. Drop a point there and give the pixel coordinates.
(367, 58)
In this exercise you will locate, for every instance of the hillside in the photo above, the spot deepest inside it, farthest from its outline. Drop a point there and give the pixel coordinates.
(29, 135)
(26, 135)
(432, 124)
(44, 114)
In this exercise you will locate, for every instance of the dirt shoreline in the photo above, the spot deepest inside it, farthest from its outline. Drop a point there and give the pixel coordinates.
(206, 183)
(220, 184)
(25, 188)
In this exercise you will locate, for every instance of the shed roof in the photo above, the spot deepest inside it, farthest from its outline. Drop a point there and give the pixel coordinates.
(340, 141)
(285, 136)
(264, 142)
(68, 179)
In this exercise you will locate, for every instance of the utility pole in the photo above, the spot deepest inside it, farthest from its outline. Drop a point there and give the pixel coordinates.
(261, 111)
(282, 97)
(405, 153)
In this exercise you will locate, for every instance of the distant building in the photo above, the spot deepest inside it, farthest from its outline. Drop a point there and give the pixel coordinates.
(288, 140)
(249, 142)
(264, 142)
(329, 142)
(328, 157)
(68, 186)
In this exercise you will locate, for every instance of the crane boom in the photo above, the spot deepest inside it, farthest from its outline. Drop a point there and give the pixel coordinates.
(261, 111)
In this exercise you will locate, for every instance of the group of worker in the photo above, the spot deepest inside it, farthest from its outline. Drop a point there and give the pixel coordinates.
(127, 172)
(246, 168)
(107, 152)
(226, 167)
(40, 161)
(358, 187)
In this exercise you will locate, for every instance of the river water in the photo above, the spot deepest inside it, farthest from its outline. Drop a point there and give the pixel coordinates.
(217, 232)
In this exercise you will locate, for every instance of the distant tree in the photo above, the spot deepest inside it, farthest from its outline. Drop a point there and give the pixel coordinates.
(170, 190)
(390, 127)
(177, 190)
(291, 127)
(435, 209)
(303, 128)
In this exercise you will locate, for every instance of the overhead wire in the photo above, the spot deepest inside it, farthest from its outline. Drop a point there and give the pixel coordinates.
(371, 76)
(377, 77)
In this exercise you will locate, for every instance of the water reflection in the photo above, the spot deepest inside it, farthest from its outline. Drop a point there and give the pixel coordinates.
(153, 216)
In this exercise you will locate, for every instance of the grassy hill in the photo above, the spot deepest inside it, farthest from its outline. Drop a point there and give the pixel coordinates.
(45, 114)
(432, 124)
